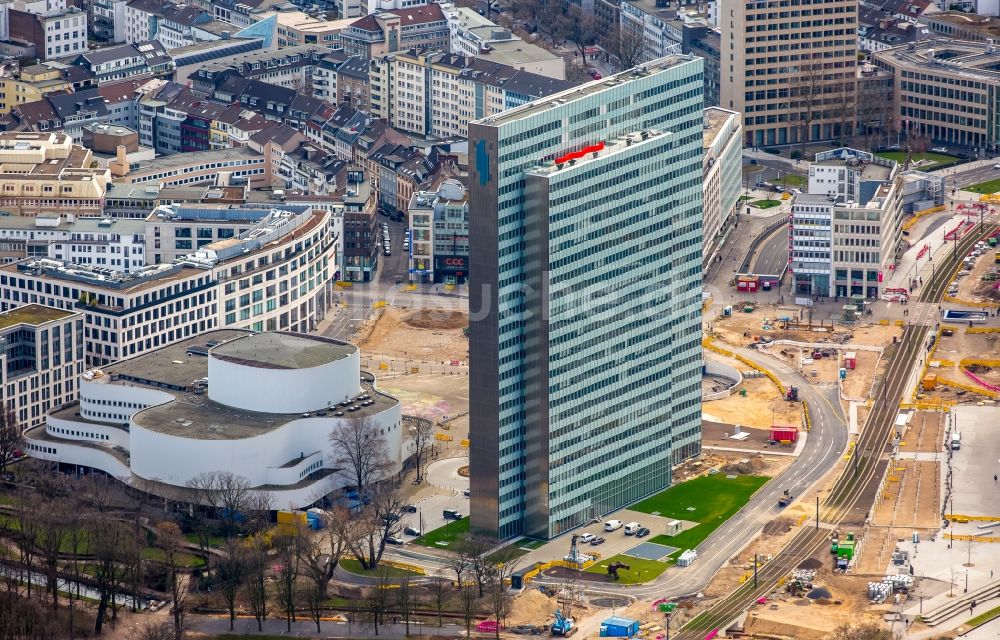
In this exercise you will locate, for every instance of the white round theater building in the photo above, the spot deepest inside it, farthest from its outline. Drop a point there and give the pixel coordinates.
(261, 406)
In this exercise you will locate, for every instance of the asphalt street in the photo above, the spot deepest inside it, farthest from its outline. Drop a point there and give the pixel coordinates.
(773, 256)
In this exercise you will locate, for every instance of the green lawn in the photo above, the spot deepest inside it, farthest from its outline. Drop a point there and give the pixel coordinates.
(183, 559)
(353, 566)
(640, 570)
(713, 500)
(213, 541)
(983, 618)
(446, 535)
(937, 158)
(988, 187)
(752, 168)
(792, 180)
(765, 204)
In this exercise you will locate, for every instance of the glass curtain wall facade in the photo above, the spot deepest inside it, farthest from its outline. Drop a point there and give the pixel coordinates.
(585, 293)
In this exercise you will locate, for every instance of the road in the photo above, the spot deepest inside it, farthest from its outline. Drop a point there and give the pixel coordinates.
(772, 257)
(850, 498)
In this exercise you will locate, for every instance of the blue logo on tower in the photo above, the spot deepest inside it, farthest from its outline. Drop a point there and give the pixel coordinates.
(482, 163)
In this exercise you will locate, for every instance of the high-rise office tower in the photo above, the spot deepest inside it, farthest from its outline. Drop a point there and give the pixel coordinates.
(585, 293)
(790, 68)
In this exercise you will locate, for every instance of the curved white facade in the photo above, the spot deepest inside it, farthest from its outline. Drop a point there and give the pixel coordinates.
(136, 432)
(284, 390)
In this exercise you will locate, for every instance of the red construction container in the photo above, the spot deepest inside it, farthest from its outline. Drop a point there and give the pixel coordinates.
(850, 360)
(782, 433)
(747, 283)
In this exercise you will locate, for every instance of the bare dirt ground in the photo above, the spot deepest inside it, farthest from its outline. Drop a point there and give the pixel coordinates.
(760, 408)
(716, 434)
(435, 396)
(953, 349)
(801, 618)
(973, 288)
(925, 433)
(911, 496)
(876, 549)
(430, 335)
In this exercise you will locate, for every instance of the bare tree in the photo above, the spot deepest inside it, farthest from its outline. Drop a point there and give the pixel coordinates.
(404, 601)
(579, 28)
(379, 520)
(170, 540)
(288, 554)
(628, 46)
(11, 439)
(503, 564)
(227, 493)
(361, 450)
(867, 630)
(376, 601)
(422, 437)
(28, 529)
(52, 535)
(256, 579)
(441, 593)
(231, 570)
(459, 563)
(468, 600)
(476, 550)
(111, 544)
(154, 631)
(319, 561)
(805, 91)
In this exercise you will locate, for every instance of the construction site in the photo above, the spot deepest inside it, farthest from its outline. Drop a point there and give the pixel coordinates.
(962, 365)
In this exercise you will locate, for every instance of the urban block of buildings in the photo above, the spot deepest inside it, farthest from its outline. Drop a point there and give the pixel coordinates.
(260, 406)
(585, 225)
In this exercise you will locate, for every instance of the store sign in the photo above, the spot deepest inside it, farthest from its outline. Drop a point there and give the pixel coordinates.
(454, 265)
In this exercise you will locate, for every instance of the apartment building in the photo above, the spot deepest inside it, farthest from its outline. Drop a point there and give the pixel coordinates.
(45, 173)
(41, 361)
(105, 242)
(56, 33)
(439, 234)
(438, 94)
(946, 90)
(160, 419)
(126, 61)
(722, 175)
(789, 69)
(398, 30)
(277, 276)
(568, 298)
(473, 35)
(108, 24)
(361, 245)
(291, 67)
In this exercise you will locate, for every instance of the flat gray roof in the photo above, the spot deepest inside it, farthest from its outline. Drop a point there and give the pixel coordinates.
(543, 104)
(283, 351)
(196, 416)
(173, 366)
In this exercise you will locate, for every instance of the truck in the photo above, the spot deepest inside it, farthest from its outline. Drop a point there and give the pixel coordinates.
(785, 499)
(563, 626)
(792, 394)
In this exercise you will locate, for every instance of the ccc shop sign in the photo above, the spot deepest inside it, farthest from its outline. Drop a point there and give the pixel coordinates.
(454, 262)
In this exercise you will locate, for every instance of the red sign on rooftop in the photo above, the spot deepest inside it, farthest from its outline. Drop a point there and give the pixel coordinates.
(594, 148)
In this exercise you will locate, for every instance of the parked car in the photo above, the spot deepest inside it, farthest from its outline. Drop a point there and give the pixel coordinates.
(595, 74)
(940, 149)
(586, 537)
(596, 541)
(393, 540)
(452, 514)
(613, 525)
(467, 493)
(642, 532)
(409, 508)
(894, 147)
(631, 528)
(411, 531)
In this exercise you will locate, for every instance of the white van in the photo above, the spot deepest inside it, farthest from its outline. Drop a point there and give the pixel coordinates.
(631, 528)
(956, 440)
(612, 525)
